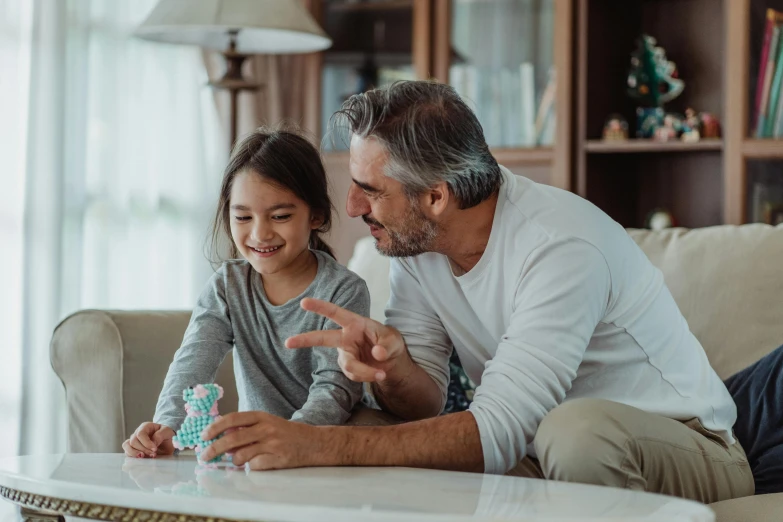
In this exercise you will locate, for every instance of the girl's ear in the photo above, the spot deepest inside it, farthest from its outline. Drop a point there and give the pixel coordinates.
(316, 220)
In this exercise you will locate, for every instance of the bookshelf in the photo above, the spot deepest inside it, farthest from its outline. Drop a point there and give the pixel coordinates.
(424, 39)
(748, 159)
(716, 46)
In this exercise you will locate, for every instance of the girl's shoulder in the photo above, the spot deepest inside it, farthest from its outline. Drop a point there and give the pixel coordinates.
(231, 271)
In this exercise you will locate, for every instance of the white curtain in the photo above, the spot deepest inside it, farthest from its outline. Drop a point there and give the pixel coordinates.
(119, 151)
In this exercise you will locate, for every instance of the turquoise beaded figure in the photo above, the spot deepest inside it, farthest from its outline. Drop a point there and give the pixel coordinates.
(202, 408)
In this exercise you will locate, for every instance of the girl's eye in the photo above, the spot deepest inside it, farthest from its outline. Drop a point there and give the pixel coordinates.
(242, 218)
(282, 217)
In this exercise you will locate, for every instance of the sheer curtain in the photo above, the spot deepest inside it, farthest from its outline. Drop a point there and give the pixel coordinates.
(116, 147)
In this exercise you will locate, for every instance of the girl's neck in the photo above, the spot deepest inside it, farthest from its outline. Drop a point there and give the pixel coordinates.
(291, 281)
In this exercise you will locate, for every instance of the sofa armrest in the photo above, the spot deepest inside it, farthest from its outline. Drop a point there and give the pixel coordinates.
(112, 365)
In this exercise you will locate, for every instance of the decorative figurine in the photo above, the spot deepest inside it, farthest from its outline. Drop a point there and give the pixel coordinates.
(647, 120)
(710, 126)
(659, 219)
(691, 126)
(652, 81)
(615, 128)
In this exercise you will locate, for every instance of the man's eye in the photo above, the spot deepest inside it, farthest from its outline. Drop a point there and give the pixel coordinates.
(281, 217)
(242, 218)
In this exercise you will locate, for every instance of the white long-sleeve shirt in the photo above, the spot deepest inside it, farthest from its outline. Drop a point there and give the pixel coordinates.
(562, 304)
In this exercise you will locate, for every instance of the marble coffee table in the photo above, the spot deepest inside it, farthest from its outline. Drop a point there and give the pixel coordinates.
(176, 489)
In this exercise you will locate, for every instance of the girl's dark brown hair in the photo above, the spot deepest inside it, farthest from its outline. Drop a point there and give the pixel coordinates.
(283, 157)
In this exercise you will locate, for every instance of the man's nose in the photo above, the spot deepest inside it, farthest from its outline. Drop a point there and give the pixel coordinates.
(357, 203)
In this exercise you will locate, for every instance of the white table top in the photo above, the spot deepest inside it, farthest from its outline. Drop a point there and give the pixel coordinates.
(180, 485)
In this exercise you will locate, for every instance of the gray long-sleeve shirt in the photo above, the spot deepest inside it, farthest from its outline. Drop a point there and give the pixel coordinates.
(304, 385)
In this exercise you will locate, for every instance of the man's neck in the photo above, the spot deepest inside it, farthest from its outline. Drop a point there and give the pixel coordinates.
(465, 236)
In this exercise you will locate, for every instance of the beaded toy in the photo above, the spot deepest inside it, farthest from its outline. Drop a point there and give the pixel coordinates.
(202, 409)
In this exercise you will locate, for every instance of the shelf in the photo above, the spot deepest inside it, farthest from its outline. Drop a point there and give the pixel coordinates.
(356, 7)
(639, 145)
(763, 149)
(524, 155)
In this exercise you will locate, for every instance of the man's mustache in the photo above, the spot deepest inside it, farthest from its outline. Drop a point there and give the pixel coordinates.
(371, 221)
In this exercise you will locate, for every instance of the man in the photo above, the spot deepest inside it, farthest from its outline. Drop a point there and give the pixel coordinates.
(586, 368)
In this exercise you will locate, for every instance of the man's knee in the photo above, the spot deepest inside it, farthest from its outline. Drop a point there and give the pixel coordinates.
(581, 441)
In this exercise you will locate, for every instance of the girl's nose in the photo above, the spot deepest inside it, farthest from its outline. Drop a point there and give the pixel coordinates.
(262, 231)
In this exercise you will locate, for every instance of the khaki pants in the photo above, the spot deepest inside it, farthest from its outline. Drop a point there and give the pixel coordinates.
(594, 441)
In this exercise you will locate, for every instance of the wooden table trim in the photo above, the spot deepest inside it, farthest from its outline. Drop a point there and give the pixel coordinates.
(64, 507)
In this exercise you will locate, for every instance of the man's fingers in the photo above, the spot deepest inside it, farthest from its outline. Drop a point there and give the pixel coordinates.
(356, 370)
(380, 353)
(265, 462)
(246, 454)
(329, 338)
(232, 420)
(329, 310)
(235, 440)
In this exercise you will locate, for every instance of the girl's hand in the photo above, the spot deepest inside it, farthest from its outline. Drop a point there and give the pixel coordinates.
(149, 440)
(264, 441)
(368, 351)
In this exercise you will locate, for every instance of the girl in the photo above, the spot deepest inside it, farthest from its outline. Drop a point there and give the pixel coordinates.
(274, 205)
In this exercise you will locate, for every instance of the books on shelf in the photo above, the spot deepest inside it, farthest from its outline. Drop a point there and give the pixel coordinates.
(768, 109)
(512, 111)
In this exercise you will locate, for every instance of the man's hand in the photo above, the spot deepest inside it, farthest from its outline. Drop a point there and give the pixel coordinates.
(149, 440)
(264, 441)
(368, 351)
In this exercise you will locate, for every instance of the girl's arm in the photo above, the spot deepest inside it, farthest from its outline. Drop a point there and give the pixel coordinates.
(333, 395)
(208, 338)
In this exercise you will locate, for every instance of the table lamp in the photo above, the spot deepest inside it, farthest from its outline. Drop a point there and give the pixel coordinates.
(238, 29)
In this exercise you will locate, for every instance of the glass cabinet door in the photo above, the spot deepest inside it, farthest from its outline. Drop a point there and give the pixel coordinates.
(502, 64)
(373, 43)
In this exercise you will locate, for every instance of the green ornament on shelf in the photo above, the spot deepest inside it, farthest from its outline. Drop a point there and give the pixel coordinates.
(652, 79)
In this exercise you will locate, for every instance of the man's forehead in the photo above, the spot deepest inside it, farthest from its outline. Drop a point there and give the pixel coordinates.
(367, 156)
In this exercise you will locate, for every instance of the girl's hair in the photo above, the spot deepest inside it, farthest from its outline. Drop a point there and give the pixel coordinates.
(283, 157)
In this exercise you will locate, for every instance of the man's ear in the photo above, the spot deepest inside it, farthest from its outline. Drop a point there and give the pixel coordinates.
(437, 199)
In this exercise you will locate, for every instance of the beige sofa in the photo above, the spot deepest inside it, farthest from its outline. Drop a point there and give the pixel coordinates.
(728, 282)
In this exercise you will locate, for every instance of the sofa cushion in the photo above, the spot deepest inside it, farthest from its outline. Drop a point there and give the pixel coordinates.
(758, 393)
(759, 508)
(728, 284)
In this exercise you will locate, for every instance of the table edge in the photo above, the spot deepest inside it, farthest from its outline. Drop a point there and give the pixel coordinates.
(94, 511)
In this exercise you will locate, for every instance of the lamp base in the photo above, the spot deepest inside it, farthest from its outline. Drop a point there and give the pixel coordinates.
(233, 81)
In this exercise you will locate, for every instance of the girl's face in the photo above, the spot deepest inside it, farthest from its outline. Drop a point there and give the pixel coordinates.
(269, 225)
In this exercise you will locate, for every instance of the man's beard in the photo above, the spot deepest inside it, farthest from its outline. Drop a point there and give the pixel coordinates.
(414, 235)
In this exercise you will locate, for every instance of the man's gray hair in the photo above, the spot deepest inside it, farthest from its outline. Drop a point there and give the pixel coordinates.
(431, 135)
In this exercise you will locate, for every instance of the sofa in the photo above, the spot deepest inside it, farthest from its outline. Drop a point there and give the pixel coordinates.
(727, 280)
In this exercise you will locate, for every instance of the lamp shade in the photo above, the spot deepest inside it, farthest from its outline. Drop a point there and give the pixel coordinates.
(261, 26)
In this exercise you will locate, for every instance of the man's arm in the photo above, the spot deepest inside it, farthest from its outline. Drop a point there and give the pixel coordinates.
(415, 388)
(449, 442)
(408, 391)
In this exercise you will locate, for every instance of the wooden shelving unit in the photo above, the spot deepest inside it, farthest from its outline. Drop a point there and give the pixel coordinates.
(388, 5)
(742, 42)
(648, 146)
(763, 149)
(431, 55)
(711, 41)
